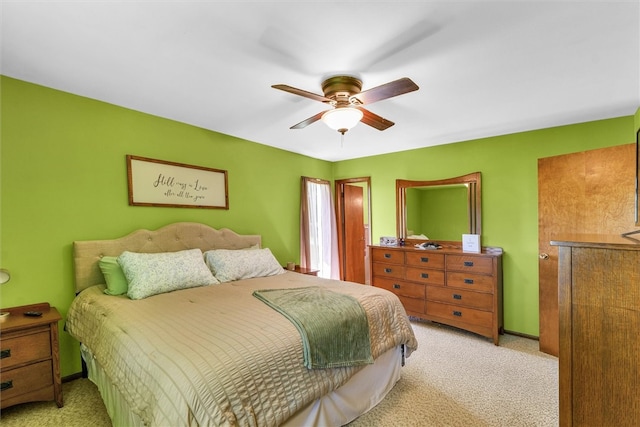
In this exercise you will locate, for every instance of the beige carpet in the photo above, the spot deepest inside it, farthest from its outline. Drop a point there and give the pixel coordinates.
(455, 378)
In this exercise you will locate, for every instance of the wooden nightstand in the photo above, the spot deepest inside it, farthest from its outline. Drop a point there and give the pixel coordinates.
(308, 271)
(30, 356)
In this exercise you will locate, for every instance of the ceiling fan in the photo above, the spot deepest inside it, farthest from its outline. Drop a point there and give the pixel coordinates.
(344, 94)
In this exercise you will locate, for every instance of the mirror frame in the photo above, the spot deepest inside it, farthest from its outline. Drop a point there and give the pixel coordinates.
(474, 200)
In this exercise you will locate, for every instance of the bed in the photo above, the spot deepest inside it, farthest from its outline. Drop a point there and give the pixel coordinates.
(217, 354)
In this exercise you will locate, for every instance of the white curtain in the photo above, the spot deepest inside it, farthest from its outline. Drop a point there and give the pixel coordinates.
(318, 232)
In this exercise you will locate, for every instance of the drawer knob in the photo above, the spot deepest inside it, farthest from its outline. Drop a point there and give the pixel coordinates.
(6, 385)
(388, 270)
(387, 255)
(425, 275)
(5, 353)
(468, 281)
(457, 313)
(396, 286)
(424, 259)
(468, 263)
(457, 296)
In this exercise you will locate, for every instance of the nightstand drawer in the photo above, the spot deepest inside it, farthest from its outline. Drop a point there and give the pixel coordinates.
(30, 379)
(25, 348)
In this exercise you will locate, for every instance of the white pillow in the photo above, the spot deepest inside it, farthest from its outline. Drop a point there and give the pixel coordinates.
(235, 264)
(151, 274)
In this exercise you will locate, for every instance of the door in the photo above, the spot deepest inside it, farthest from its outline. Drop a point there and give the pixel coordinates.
(353, 227)
(586, 192)
(354, 246)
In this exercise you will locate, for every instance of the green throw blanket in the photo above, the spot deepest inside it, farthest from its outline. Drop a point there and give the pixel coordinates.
(334, 327)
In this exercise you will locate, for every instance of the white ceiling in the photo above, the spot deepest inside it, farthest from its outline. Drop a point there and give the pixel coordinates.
(484, 68)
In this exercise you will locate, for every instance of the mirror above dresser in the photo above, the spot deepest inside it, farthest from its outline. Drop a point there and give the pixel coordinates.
(441, 210)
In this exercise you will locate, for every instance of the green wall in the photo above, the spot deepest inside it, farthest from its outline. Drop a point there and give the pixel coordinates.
(63, 178)
(509, 194)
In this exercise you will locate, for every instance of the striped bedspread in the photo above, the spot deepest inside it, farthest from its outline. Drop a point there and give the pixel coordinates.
(216, 355)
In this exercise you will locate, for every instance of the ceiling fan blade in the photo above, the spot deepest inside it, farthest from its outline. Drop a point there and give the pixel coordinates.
(307, 122)
(375, 120)
(301, 92)
(385, 91)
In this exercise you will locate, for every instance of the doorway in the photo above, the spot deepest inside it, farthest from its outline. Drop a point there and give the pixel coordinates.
(353, 213)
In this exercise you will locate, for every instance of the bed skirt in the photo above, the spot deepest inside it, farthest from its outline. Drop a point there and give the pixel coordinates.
(360, 394)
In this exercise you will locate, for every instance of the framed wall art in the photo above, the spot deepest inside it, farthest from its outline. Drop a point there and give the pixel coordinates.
(155, 182)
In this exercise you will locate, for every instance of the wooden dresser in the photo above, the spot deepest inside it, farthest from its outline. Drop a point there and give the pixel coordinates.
(29, 356)
(599, 319)
(448, 286)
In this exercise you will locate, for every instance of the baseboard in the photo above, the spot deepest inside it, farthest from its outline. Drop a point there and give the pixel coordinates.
(72, 377)
(520, 334)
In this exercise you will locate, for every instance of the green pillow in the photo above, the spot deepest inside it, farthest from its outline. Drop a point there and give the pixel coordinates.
(114, 276)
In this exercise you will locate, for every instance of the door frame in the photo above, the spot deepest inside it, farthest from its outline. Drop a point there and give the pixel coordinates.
(340, 219)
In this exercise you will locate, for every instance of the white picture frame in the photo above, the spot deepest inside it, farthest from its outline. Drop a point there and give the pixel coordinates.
(471, 243)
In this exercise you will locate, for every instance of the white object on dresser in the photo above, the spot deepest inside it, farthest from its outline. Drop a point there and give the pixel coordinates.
(471, 243)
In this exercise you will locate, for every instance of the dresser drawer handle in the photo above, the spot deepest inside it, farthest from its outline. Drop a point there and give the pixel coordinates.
(5, 353)
(396, 286)
(468, 263)
(424, 259)
(457, 296)
(457, 313)
(468, 281)
(6, 385)
(424, 275)
(387, 255)
(388, 270)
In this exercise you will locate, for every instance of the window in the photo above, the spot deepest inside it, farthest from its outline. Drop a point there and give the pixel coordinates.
(318, 236)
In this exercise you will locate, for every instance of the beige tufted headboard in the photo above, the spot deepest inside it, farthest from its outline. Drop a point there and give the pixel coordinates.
(171, 238)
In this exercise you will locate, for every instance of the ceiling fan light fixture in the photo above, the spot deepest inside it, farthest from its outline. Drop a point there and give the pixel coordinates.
(342, 119)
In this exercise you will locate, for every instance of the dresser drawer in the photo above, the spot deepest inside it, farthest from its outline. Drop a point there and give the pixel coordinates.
(470, 281)
(387, 255)
(475, 264)
(388, 270)
(482, 301)
(26, 379)
(425, 259)
(26, 348)
(399, 287)
(412, 305)
(434, 277)
(460, 314)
